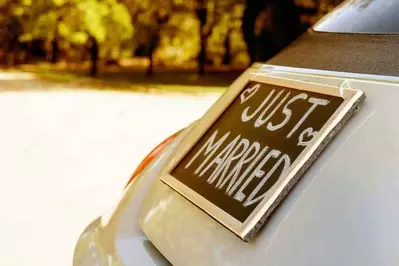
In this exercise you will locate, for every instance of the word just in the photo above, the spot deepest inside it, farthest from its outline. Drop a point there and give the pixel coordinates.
(264, 111)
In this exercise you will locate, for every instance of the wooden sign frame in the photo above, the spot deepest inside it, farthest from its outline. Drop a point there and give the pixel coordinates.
(247, 229)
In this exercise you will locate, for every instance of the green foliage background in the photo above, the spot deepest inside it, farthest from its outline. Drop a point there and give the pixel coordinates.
(71, 22)
(120, 26)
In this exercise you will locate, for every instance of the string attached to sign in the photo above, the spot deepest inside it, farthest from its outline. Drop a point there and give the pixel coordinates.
(344, 85)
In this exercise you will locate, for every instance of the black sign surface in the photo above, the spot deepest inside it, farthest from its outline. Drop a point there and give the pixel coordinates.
(242, 155)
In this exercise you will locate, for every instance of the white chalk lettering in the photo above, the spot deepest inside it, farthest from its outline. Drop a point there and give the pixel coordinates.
(258, 172)
(245, 169)
(245, 117)
(277, 107)
(287, 112)
(210, 148)
(260, 121)
(248, 93)
(238, 151)
(233, 175)
(250, 200)
(306, 137)
(315, 102)
(253, 163)
(221, 157)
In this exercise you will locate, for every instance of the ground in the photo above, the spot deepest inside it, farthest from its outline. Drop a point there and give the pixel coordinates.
(67, 150)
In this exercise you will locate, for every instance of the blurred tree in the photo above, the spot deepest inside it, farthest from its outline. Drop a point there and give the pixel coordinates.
(67, 24)
(9, 32)
(149, 17)
(201, 12)
(252, 11)
(140, 13)
(179, 40)
(269, 26)
(93, 46)
(160, 17)
(226, 39)
(169, 32)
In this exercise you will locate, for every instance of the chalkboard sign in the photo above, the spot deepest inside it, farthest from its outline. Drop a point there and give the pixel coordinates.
(251, 146)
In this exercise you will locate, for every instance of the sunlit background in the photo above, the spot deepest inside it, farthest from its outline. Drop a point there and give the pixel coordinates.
(173, 32)
(66, 155)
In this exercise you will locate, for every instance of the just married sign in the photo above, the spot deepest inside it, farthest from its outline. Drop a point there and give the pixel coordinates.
(239, 168)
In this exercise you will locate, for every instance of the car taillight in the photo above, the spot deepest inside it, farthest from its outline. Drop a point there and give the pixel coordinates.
(158, 149)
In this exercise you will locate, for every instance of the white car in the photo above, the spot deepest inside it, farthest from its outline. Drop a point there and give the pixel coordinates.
(345, 208)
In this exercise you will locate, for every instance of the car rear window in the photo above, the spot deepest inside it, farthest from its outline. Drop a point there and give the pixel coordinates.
(362, 16)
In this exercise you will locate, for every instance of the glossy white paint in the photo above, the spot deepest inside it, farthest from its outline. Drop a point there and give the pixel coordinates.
(118, 237)
(344, 211)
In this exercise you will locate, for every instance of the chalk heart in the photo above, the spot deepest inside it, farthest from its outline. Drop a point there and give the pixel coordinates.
(248, 93)
(306, 137)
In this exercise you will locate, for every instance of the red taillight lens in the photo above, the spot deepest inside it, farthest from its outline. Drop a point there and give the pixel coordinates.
(158, 149)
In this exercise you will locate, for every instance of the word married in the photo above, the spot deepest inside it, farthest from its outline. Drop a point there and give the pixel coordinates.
(237, 165)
